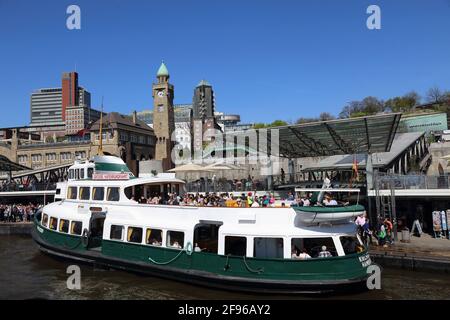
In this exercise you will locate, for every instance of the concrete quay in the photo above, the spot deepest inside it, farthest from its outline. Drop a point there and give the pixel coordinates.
(15, 228)
(423, 253)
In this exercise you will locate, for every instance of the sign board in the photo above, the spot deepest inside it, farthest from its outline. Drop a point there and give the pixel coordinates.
(111, 176)
(424, 122)
(436, 215)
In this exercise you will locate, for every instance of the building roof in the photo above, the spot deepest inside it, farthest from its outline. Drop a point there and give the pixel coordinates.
(162, 71)
(115, 119)
(379, 159)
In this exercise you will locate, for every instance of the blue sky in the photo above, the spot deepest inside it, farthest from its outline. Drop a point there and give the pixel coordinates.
(266, 59)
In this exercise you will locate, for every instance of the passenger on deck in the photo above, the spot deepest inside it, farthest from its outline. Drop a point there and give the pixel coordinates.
(324, 253)
(304, 255)
(175, 244)
(328, 201)
(294, 254)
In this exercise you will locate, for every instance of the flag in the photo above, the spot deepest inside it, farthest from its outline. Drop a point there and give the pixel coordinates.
(82, 132)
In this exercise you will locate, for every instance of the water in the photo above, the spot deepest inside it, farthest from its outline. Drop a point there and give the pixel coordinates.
(26, 273)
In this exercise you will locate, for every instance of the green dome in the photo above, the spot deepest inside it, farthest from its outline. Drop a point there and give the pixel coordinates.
(203, 83)
(162, 71)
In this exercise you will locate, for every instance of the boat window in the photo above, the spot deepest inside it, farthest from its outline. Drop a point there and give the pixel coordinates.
(76, 227)
(72, 193)
(268, 248)
(154, 237)
(77, 174)
(90, 173)
(58, 191)
(53, 223)
(113, 194)
(64, 225)
(71, 174)
(351, 245)
(85, 193)
(313, 246)
(134, 235)
(175, 239)
(116, 232)
(44, 220)
(206, 237)
(98, 193)
(236, 246)
(81, 173)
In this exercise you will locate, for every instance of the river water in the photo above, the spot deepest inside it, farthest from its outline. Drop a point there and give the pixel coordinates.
(26, 273)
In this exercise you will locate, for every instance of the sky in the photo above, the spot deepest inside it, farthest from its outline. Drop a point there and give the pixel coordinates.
(266, 59)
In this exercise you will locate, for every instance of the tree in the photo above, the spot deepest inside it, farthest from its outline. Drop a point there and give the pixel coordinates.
(372, 105)
(325, 116)
(434, 95)
(305, 120)
(278, 123)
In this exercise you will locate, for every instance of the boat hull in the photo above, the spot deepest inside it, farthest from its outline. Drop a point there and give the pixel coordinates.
(211, 270)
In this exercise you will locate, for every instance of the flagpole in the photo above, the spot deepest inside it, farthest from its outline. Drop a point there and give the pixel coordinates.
(100, 147)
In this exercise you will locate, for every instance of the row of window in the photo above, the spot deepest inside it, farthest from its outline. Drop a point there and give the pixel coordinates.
(97, 194)
(79, 173)
(64, 226)
(154, 237)
(64, 156)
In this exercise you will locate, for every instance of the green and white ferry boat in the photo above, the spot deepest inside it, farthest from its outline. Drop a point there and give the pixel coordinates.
(96, 220)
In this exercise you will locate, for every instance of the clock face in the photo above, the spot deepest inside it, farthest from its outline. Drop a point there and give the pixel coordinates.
(160, 93)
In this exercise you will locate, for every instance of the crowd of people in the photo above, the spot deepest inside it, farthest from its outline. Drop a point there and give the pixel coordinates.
(381, 230)
(18, 212)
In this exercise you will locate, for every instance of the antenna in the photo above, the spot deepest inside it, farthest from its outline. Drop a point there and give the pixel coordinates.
(100, 147)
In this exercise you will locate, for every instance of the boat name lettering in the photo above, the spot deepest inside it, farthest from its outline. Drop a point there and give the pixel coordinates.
(365, 260)
(111, 176)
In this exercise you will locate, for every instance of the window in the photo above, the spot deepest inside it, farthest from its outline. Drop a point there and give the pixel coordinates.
(113, 194)
(313, 246)
(268, 248)
(85, 193)
(175, 239)
(236, 246)
(98, 193)
(72, 193)
(351, 245)
(154, 237)
(53, 223)
(76, 227)
(64, 225)
(44, 220)
(134, 235)
(116, 232)
(81, 173)
(90, 173)
(58, 191)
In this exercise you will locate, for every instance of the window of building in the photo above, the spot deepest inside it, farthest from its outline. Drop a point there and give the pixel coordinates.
(134, 234)
(44, 220)
(76, 227)
(72, 193)
(64, 225)
(53, 223)
(98, 193)
(116, 232)
(85, 193)
(154, 237)
(235, 246)
(175, 239)
(351, 245)
(268, 248)
(113, 194)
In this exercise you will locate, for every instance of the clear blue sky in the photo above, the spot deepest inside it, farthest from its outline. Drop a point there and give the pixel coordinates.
(266, 59)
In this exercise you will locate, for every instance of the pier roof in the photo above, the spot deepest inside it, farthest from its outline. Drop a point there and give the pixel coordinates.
(360, 135)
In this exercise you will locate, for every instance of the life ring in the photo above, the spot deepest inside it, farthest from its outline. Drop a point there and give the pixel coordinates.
(189, 248)
(85, 237)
